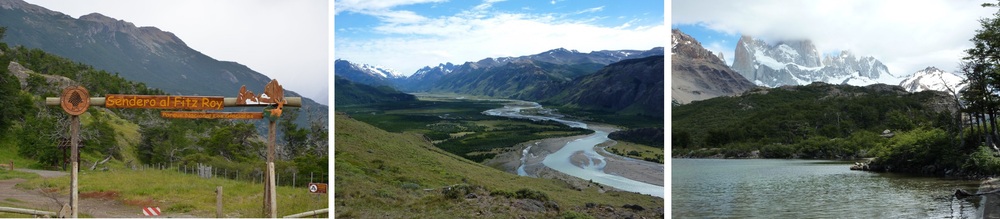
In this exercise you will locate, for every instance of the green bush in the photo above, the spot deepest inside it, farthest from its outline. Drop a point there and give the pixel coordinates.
(527, 193)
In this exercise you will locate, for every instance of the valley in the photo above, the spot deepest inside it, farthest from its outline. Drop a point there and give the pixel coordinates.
(482, 124)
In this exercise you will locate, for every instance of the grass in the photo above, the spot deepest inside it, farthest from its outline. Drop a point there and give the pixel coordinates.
(6, 174)
(182, 193)
(8, 153)
(637, 151)
(400, 175)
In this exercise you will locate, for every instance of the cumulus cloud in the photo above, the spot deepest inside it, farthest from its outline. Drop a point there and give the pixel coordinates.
(905, 35)
(476, 34)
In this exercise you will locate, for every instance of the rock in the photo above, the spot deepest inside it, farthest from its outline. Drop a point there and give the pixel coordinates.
(530, 205)
(552, 205)
(471, 196)
(591, 205)
(959, 193)
(633, 207)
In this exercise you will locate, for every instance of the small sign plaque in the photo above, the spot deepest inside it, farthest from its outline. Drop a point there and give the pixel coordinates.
(210, 115)
(317, 187)
(75, 100)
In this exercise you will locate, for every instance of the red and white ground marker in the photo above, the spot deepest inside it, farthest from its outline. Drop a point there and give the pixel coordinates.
(151, 211)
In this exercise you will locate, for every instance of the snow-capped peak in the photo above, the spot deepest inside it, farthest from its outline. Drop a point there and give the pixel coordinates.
(379, 71)
(932, 78)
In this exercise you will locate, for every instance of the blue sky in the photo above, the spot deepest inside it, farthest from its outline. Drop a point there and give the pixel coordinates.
(905, 35)
(408, 34)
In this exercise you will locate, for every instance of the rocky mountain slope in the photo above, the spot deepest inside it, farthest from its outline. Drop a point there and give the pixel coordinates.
(347, 92)
(932, 78)
(143, 54)
(697, 74)
(632, 86)
(799, 63)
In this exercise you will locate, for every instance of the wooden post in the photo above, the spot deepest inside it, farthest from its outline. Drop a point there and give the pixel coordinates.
(218, 202)
(270, 199)
(74, 198)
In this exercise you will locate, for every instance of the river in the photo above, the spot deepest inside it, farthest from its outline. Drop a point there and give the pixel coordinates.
(766, 188)
(561, 159)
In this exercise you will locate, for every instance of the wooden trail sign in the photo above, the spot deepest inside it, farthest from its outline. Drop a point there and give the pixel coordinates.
(210, 115)
(76, 100)
(226, 102)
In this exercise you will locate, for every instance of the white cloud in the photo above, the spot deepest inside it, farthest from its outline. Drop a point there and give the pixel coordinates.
(590, 10)
(369, 5)
(905, 35)
(728, 51)
(472, 36)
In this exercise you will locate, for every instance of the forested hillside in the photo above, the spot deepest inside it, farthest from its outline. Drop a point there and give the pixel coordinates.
(30, 131)
(813, 121)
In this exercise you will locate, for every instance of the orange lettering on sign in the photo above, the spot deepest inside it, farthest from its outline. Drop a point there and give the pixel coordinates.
(163, 102)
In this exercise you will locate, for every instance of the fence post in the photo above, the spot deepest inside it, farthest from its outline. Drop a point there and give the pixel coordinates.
(293, 179)
(218, 201)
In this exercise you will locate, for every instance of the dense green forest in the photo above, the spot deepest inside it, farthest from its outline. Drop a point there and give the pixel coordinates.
(813, 121)
(133, 137)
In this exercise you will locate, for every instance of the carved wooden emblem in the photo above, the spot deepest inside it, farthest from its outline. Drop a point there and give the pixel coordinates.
(273, 94)
(75, 100)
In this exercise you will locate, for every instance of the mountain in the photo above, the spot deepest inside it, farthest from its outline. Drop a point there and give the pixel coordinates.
(425, 77)
(347, 92)
(799, 63)
(364, 73)
(144, 54)
(932, 78)
(632, 86)
(560, 63)
(698, 74)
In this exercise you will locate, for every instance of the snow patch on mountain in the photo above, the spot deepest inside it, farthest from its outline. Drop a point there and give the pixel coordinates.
(932, 78)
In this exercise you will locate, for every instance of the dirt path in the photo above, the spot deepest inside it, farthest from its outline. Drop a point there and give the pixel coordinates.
(40, 199)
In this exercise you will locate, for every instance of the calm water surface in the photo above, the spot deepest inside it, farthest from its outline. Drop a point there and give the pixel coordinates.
(761, 188)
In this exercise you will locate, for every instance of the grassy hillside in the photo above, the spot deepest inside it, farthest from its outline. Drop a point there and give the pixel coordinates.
(179, 193)
(402, 175)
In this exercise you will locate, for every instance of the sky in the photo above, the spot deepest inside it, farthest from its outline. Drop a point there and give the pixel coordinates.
(907, 36)
(285, 40)
(406, 35)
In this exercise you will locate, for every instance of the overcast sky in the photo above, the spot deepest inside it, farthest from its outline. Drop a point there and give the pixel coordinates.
(285, 40)
(906, 36)
(406, 35)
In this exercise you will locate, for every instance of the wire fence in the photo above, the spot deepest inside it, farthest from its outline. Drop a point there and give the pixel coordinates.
(287, 177)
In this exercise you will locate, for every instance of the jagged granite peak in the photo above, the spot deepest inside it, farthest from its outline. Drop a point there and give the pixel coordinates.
(699, 74)
(798, 63)
(932, 78)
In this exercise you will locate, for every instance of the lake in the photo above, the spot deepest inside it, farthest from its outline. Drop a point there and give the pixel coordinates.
(767, 188)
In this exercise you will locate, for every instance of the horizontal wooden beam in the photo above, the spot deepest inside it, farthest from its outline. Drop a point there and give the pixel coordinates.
(28, 211)
(309, 213)
(227, 102)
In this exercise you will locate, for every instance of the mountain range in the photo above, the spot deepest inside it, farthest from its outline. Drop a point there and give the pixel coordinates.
(799, 63)
(144, 54)
(561, 76)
